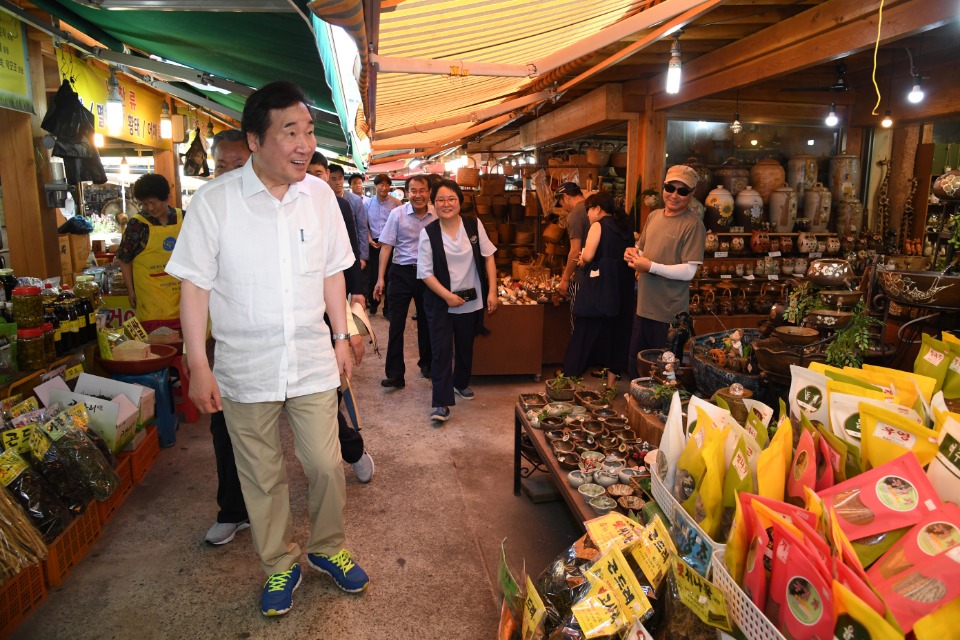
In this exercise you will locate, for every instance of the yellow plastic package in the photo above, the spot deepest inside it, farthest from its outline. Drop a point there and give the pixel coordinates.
(923, 384)
(939, 625)
(774, 461)
(705, 505)
(886, 435)
(855, 619)
(933, 360)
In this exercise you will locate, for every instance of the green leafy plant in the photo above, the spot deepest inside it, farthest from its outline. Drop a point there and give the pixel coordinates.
(848, 346)
(954, 226)
(802, 301)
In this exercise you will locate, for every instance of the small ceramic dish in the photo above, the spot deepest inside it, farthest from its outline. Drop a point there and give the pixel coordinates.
(591, 460)
(593, 427)
(568, 460)
(605, 478)
(577, 478)
(618, 490)
(629, 472)
(591, 490)
(558, 408)
(551, 422)
(604, 413)
(631, 503)
(555, 434)
(603, 505)
(616, 423)
(533, 400)
(559, 446)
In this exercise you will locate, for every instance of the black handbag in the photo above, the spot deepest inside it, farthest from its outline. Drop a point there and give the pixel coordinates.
(598, 292)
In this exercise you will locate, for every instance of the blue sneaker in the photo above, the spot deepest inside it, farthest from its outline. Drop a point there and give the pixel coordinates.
(345, 572)
(466, 393)
(278, 591)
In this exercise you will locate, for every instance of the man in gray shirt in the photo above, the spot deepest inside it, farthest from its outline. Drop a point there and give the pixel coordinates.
(666, 257)
(356, 207)
(570, 197)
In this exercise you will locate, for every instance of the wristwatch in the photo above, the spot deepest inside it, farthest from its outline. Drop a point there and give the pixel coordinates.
(340, 336)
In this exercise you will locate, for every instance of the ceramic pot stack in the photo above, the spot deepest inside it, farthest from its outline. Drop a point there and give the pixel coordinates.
(845, 186)
(802, 172)
(783, 208)
(719, 209)
(817, 203)
(765, 176)
(748, 209)
(848, 216)
(733, 176)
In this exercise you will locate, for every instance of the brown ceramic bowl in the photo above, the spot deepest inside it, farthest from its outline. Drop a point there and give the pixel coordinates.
(604, 413)
(551, 422)
(617, 490)
(840, 298)
(163, 356)
(555, 434)
(630, 503)
(797, 336)
(829, 319)
(559, 446)
(921, 288)
(568, 460)
(593, 427)
(616, 423)
(830, 272)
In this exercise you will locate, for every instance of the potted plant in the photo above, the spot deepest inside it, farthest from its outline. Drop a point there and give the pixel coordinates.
(847, 348)
(663, 394)
(562, 388)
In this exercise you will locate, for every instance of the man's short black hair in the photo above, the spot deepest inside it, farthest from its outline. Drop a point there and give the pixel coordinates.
(420, 177)
(276, 95)
(319, 158)
(382, 178)
(335, 168)
(227, 135)
(151, 185)
(356, 176)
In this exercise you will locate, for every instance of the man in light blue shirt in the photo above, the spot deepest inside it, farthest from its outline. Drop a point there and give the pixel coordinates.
(378, 208)
(399, 240)
(356, 206)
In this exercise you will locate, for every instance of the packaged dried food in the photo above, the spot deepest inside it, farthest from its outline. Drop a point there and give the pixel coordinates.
(855, 619)
(61, 475)
(800, 598)
(69, 437)
(808, 395)
(803, 471)
(922, 589)
(944, 470)
(694, 608)
(773, 462)
(46, 511)
(887, 435)
(933, 360)
(937, 533)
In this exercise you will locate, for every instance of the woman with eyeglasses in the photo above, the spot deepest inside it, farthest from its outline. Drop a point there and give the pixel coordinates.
(603, 307)
(455, 262)
(666, 258)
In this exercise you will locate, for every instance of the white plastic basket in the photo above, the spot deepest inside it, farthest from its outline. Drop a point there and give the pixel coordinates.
(748, 618)
(673, 509)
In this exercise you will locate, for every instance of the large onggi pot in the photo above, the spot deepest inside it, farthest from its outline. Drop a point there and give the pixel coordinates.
(783, 209)
(802, 172)
(921, 288)
(704, 178)
(816, 206)
(732, 176)
(845, 176)
(766, 175)
(748, 209)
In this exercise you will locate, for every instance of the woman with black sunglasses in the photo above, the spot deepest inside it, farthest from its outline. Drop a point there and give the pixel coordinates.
(666, 258)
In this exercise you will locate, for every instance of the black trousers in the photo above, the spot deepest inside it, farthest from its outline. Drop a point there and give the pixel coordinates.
(451, 338)
(403, 288)
(229, 495)
(372, 272)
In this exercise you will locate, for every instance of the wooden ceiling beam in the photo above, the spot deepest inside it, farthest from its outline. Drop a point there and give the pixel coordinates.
(830, 31)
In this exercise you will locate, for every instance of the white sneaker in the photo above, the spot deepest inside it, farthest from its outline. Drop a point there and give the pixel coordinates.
(224, 532)
(364, 468)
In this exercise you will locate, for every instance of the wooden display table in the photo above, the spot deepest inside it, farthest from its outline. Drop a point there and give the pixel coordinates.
(714, 324)
(515, 343)
(548, 462)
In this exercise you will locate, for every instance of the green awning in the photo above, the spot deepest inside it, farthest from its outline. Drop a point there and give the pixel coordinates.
(249, 48)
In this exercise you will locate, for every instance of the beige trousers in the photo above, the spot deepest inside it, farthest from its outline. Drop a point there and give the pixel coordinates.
(255, 431)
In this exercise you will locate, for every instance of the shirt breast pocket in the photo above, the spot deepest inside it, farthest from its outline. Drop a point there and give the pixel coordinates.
(312, 254)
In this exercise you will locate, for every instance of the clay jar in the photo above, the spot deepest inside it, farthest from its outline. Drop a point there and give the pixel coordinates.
(704, 178)
(786, 266)
(712, 242)
(724, 246)
(719, 209)
(786, 244)
(732, 176)
(816, 206)
(801, 172)
(737, 244)
(766, 175)
(760, 241)
(748, 209)
(783, 208)
(833, 245)
(845, 176)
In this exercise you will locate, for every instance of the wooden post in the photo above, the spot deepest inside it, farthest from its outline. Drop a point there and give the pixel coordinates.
(166, 163)
(653, 148)
(633, 160)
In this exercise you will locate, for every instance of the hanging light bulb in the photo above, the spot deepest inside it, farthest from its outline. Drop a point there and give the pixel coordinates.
(887, 121)
(114, 103)
(916, 93)
(832, 118)
(673, 67)
(166, 124)
(735, 126)
(124, 166)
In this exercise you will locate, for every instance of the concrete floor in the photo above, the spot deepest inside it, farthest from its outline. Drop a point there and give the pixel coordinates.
(427, 530)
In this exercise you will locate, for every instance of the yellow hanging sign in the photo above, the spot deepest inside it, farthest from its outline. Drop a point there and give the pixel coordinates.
(141, 106)
(15, 90)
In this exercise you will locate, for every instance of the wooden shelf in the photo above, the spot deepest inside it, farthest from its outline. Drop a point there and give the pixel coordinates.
(793, 234)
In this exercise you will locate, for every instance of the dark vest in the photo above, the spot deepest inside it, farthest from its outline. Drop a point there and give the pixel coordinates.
(442, 272)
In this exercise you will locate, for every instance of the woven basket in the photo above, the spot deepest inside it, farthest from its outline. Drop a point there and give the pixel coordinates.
(469, 176)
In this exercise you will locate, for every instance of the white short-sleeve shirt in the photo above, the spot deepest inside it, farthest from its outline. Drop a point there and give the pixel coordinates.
(264, 262)
(460, 263)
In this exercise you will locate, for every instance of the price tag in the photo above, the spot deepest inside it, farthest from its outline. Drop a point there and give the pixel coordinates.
(612, 569)
(533, 611)
(701, 596)
(73, 372)
(17, 439)
(11, 465)
(53, 373)
(28, 405)
(135, 330)
(816, 254)
(773, 276)
(774, 254)
(749, 277)
(720, 254)
(726, 276)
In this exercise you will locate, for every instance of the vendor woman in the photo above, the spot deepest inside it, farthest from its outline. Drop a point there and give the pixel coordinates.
(144, 251)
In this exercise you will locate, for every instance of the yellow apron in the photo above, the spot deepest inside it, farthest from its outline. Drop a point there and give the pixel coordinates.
(158, 293)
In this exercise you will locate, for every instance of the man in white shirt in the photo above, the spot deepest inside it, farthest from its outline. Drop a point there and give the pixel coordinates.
(273, 348)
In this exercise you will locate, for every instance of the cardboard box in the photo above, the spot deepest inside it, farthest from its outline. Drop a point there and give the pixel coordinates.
(80, 247)
(148, 405)
(114, 420)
